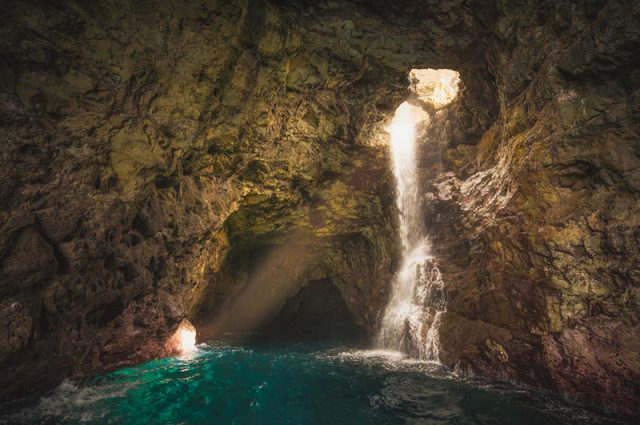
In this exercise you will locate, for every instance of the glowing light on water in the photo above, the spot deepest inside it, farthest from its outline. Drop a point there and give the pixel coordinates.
(412, 317)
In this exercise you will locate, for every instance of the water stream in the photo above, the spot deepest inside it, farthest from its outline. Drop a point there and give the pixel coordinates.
(417, 301)
(412, 317)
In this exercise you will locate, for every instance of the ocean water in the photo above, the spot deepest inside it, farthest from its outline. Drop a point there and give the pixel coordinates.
(293, 384)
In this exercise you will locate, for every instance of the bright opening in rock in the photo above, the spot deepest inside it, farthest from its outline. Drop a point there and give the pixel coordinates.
(184, 338)
(187, 340)
(435, 86)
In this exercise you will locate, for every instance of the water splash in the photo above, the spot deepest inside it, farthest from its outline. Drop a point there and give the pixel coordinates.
(412, 318)
(302, 383)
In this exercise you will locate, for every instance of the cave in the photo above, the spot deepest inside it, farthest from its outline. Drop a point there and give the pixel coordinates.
(371, 186)
(317, 312)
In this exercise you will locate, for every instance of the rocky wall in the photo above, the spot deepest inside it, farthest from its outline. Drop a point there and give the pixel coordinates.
(153, 152)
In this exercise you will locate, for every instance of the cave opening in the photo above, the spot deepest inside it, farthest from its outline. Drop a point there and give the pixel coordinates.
(269, 302)
(278, 298)
(437, 87)
(455, 182)
(316, 313)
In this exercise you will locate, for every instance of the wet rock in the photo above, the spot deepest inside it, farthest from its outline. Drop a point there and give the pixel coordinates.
(16, 327)
(544, 217)
(30, 260)
(150, 152)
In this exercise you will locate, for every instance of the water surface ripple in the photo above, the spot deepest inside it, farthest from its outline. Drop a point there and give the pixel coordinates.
(295, 384)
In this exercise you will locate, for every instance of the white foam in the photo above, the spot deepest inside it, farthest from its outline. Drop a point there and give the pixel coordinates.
(70, 402)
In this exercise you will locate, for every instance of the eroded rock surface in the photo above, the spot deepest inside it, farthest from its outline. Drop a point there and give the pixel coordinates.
(168, 160)
(536, 223)
(150, 149)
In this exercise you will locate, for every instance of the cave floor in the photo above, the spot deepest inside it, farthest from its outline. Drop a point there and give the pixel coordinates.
(294, 383)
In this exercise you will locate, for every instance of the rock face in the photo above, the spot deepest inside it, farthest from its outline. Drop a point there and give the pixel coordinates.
(541, 267)
(150, 153)
(164, 161)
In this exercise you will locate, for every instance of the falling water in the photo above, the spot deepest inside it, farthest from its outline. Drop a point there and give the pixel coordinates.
(412, 317)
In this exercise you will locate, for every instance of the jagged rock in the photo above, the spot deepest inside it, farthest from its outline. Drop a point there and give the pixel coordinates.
(151, 151)
(30, 260)
(542, 261)
(16, 327)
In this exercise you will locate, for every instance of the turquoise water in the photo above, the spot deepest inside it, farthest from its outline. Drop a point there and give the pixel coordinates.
(295, 384)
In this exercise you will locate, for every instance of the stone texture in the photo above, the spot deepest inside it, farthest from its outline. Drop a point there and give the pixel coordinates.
(541, 267)
(17, 327)
(150, 149)
(154, 154)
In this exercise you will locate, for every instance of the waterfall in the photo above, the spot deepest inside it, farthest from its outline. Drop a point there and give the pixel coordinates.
(412, 317)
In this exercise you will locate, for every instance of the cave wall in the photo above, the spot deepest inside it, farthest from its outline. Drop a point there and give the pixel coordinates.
(150, 149)
(536, 223)
(149, 146)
